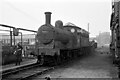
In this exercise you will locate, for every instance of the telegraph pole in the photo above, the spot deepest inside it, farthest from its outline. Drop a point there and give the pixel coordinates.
(88, 27)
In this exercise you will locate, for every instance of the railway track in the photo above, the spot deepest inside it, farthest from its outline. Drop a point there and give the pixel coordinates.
(29, 71)
(25, 72)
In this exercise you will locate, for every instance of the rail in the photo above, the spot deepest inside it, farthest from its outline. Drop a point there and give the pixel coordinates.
(25, 72)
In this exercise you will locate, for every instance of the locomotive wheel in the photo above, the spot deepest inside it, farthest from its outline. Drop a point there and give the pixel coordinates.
(38, 59)
(70, 55)
(58, 60)
(42, 60)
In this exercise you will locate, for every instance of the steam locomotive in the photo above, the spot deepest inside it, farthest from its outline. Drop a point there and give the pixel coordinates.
(115, 31)
(59, 43)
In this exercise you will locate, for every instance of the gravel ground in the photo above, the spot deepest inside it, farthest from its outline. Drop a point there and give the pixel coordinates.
(94, 66)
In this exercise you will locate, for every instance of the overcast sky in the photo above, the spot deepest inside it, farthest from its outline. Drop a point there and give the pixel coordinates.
(29, 14)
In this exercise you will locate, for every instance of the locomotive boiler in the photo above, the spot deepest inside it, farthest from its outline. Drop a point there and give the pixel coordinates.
(55, 44)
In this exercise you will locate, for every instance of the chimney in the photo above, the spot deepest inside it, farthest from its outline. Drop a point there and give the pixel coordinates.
(48, 17)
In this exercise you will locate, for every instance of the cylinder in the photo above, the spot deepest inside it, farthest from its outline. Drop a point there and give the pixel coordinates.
(48, 17)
